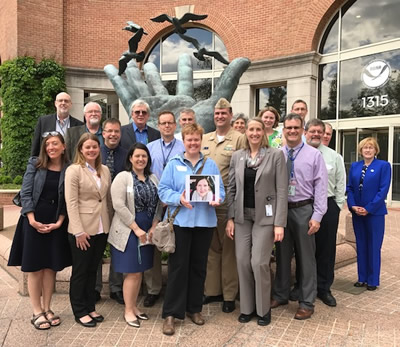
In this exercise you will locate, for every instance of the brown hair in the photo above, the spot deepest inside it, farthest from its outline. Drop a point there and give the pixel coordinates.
(80, 159)
(190, 129)
(43, 159)
(264, 141)
(274, 111)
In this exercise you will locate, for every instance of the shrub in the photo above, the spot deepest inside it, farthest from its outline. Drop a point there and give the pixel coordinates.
(28, 90)
(17, 179)
(5, 179)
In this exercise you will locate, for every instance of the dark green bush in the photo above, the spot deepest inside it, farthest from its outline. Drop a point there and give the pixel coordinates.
(5, 179)
(28, 90)
(17, 179)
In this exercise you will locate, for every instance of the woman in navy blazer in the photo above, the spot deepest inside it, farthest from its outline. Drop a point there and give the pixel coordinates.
(369, 182)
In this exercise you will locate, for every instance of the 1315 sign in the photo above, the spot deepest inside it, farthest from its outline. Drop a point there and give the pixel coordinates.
(375, 101)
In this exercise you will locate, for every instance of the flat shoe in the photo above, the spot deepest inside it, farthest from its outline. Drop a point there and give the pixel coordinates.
(98, 318)
(169, 326)
(303, 313)
(90, 324)
(245, 318)
(359, 284)
(133, 323)
(228, 306)
(38, 325)
(142, 316)
(150, 300)
(371, 287)
(196, 318)
(264, 320)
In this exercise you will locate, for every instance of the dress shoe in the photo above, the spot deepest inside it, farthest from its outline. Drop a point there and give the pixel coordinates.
(371, 287)
(150, 300)
(264, 320)
(327, 299)
(245, 318)
(228, 306)
(97, 296)
(98, 318)
(196, 318)
(169, 326)
(214, 298)
(90, 324)
(294, 293)
(359, 284)
(143, 316)
(133, 323)
(303, 313)
(118, 297)
(275, 304)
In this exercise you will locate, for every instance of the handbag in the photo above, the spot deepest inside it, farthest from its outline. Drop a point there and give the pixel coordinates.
(17, 199)
(164, 236)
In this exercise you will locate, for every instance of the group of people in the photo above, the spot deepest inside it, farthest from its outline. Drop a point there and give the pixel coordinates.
(275, 187)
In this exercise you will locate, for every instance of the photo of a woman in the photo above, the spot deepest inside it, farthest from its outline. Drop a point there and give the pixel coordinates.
(202, 189)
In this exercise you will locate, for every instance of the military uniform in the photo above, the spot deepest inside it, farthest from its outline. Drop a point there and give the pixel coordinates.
(222, 275)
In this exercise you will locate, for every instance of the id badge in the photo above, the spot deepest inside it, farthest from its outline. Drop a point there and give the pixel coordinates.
(292, 188)
(268, 210)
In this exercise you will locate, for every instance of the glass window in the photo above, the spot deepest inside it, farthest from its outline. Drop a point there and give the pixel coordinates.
(272, 96)
(396, 165)
(370, 85)
(154, 56)
(369, 21)
(329, 43)
(328, 91)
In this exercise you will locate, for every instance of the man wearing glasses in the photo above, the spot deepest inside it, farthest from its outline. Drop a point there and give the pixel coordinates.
(138, 130)
(59, 121)
(307, 204)
(161, 151)
(92, 113)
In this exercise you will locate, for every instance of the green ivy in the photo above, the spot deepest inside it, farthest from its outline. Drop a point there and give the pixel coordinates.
(28, 90)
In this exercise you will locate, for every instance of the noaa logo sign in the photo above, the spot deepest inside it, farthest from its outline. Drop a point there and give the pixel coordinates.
(376, 73)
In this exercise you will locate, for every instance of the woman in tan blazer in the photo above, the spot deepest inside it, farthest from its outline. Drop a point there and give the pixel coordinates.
(88, 199)
(257, 211)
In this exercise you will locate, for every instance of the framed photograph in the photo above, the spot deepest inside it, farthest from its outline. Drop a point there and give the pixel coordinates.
(202, 188)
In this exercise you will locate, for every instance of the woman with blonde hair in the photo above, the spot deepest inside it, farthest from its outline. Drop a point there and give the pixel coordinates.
(87, 193)
(369, 182)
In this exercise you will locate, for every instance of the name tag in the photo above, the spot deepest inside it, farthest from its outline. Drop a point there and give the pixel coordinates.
(181, 168)
(268, 210)
(129, 189)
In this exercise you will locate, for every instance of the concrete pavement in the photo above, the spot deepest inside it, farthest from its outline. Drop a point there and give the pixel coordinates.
(361, 318)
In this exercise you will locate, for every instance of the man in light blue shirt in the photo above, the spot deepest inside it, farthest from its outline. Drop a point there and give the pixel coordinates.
(161, 151)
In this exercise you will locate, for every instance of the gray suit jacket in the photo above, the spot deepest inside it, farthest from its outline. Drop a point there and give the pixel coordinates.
(48, 123)
(270, 188)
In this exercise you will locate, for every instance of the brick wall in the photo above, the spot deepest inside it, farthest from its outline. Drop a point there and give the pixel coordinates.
(88, 33)
(8, 29)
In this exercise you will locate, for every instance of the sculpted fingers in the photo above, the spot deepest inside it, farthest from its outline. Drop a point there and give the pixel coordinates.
(185, 76)
(135, 81)
(153, 79)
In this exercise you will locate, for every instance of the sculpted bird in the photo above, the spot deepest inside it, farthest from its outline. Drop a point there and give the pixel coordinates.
(133, 46)
(178, 22)
(203, 51)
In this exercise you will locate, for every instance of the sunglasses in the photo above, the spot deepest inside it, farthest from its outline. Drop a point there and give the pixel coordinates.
(50, 133)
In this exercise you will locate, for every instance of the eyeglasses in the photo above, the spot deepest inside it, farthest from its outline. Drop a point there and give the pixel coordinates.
(292, 128)
(138, 113)
(50, 133)
(166, 123)
(319, 132)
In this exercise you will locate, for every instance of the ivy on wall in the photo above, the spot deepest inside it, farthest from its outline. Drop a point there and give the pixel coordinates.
(28, 90)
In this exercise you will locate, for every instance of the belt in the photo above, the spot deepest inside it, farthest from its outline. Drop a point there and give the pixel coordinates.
(300, 203)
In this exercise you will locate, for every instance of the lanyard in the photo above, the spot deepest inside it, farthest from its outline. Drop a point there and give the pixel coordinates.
(293, 159)
(162, 151)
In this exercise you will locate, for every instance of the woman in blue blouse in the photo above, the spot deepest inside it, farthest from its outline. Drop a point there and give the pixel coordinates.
(193, 226)
(369, 181)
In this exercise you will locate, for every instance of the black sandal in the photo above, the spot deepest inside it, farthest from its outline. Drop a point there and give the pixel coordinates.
(38, 325)
(53, 319)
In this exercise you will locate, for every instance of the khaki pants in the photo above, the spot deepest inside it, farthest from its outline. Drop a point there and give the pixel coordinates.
(222, 277)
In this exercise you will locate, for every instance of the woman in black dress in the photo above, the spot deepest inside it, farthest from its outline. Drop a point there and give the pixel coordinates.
(40, 244)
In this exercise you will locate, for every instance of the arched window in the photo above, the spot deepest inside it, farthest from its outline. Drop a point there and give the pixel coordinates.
(359, 72)
(167, 50)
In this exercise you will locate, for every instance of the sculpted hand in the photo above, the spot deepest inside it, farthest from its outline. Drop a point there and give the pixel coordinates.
(313, 226)
(156, 95)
